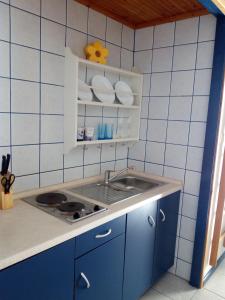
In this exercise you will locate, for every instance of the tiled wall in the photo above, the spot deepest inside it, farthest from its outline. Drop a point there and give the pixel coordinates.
(33, 35)
(176, 59)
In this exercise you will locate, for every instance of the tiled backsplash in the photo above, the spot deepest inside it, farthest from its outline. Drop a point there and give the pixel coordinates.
(176, 60)
(33, 36)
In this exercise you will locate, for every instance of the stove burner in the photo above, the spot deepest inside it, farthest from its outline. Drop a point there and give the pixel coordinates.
(71, 207)
(50, 199)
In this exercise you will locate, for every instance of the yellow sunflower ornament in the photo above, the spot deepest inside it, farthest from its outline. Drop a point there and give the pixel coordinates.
(96, 52)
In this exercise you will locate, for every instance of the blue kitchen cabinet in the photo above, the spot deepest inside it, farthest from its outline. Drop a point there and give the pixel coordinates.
(139, 251)
(45, 276)
(99, 273)
(166, 229)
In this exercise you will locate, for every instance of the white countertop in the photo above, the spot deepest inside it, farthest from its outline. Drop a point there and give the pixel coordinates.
(26, 230)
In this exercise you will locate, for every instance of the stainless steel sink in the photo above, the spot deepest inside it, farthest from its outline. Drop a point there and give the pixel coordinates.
(117, 190)
(131, 182)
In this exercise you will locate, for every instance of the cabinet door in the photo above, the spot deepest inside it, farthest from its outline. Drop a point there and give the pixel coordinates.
(46, 276)
(99, 274)
(167, 217)
(139, 252)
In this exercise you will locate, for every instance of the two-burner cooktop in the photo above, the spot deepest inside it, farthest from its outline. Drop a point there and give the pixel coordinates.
(64, 206)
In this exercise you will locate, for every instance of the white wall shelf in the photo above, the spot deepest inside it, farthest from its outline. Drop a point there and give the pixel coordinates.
(126, 117)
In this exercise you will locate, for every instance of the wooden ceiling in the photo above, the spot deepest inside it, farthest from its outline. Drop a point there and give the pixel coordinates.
(142, 13)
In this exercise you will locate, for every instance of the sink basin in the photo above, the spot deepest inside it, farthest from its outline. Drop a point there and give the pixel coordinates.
(131, 182)
(117, 190)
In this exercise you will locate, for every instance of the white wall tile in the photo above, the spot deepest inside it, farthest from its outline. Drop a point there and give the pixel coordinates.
(192, 182)
(121, 164)
(182, 83)
(76, 41)
(51, 157)
(162, 59)
(50, 178)
(25, 96)
(73, 174)
(183, 269)
(184, 57)
(146, 84)
(174, 173)
(96, 24)
(180, 108)
(52, 99)
(25, 183)
(74, 158)
(154, 169)
(197, 134)
(142, 61)
(160, 84)
(92, 155)
(126, 59)
(144, 107)
(158, 107)
(187, 229)
(194, 159)
(202, 82)
(91, 170)
(113, 32)
(184, 36)
(121, 151)
(52, 69)
(21, 155)
(51, 129)
(110, 165)
(205, 55)
(108, 153)
(185, 250)
(155, 152)
(144, 38)
(175, 156)
(200, 108)
(31, 5)
(137, 165)
(143, 129)
(156, 130)
(4, 22)
(207, 28)
(57, 14)
(177, 132)
(4, 129)
(4, 95)
(137, 151)
(21, 32)
(77, 15)
(114, 57)
(128, 38)
(25, 129)
(4, 58)
(164, 35)
(25, 63)
(190, 206)
(52, 37)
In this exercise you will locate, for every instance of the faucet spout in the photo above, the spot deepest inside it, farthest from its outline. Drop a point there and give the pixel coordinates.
(108, 179)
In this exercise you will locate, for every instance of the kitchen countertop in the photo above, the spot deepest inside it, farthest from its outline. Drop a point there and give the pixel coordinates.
(26, 230)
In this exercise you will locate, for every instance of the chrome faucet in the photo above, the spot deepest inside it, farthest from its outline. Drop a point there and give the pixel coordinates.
(108, 179)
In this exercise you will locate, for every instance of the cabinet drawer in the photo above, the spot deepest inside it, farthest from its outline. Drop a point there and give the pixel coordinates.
(99, 235)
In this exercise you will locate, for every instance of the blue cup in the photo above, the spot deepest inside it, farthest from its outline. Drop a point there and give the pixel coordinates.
(108, 131)
(101, 131)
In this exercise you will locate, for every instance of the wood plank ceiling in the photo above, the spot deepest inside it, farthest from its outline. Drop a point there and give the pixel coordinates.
(142, 13)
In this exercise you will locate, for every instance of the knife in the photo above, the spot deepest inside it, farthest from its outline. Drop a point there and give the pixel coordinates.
(7, 163)
(4, 159)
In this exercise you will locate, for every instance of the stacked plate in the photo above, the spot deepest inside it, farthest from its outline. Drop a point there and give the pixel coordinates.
(105, 92)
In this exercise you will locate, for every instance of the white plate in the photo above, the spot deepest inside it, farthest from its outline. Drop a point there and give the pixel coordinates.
(124, 93)
(84, 91)
(103, 89)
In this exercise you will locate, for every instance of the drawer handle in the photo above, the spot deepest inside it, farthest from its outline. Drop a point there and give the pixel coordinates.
(151, 221)
(100, 236)
(85, 279)
(163, 215)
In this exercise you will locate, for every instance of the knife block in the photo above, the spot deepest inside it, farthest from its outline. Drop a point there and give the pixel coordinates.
(6, 200)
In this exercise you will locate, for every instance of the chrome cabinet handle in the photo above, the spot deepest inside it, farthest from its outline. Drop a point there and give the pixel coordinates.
(100, 236)
(163, 215)
(151, 221)
(85, 279)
